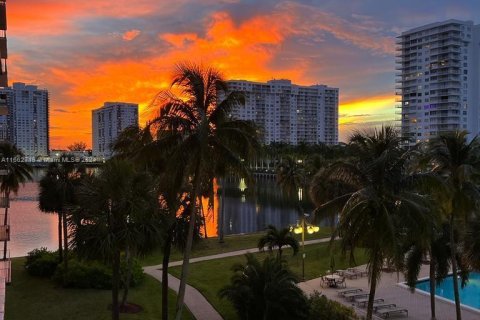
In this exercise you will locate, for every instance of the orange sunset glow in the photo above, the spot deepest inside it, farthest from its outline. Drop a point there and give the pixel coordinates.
(86, 53)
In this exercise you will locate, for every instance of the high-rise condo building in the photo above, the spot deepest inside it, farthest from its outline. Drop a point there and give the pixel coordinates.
(289, 113)
(3, 70)
(107, 123)
(438, 79)
(3, 45)
(28, 119)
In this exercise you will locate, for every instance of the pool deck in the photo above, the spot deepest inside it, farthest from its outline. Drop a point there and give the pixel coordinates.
(418, 304)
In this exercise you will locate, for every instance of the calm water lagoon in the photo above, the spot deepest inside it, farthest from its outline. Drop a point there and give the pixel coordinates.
(244, 212)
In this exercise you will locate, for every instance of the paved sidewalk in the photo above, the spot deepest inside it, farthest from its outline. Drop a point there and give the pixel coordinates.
(194, 300)
(418, 304)
(230, 254)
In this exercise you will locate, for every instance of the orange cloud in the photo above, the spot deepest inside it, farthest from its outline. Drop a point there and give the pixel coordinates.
(54, 17)
(131, 34)
(242, 50)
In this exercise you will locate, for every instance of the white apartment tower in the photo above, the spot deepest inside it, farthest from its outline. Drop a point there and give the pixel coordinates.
(27, 122)
(438, 79)
(107, 123)
(289, 113)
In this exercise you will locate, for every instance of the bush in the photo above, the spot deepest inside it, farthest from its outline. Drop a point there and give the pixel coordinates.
(83, 275)
(137, 274)
(41, 262)
(93, 274)
(322, 308)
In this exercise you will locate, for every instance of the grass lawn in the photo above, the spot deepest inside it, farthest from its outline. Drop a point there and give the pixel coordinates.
(210, 276)
(35, 298)
(211, 246)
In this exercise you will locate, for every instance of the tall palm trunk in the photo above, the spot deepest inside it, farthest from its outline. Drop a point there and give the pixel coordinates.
(373, 285)
(60, 241)
(202, 212)
(65, 240)
(453, 251)
(128, 276)
(432, 286)
(115, 284)
(188, 247)
(221, 213)
(5, 221)
(166, 260)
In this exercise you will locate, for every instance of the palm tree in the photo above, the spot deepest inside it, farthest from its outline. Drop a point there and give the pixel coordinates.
(292, 179)
(117, 213)
(16, 173)
(471, 243)
(135, 143)
(375, 207)
(275, 238)
(265, 290)
(138, 146)
(50, 200)
(57, 194)
(206, 141)
(456, 160)
(435, 244)
(177, 225)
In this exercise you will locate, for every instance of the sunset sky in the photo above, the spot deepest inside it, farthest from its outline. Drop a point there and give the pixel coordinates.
(91, 51)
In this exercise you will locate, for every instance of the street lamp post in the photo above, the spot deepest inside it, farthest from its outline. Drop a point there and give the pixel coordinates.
(301, 229)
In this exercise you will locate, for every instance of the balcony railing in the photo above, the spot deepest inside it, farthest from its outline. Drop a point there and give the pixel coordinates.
(4, 202)
(5, 266)
(5, 232)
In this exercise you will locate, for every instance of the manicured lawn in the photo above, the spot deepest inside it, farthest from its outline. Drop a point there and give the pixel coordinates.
(34, 298)
(210, 276)
(231, 243)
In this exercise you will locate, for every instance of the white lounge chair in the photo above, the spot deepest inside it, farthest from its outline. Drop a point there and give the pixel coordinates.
(356, 295)
(381, 305)
(349, 290)
(362, 302)
(388, 312)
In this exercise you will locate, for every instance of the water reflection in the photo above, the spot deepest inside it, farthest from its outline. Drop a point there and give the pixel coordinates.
(244, 212)
(247, 212)
(30, 228)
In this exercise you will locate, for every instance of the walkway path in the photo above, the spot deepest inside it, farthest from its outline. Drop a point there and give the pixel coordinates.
(418, 304)
(194, 300)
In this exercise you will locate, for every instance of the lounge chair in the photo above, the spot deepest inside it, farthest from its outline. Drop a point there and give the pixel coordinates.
(349, 290)
(350, 275)
(359, 273)
(388, 312)
(362, 302)
(356, 295)
(381, 305)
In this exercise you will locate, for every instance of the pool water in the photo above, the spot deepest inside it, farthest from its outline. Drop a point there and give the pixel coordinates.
(469, 295)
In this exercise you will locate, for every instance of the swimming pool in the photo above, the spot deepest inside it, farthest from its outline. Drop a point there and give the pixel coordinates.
(469, 295)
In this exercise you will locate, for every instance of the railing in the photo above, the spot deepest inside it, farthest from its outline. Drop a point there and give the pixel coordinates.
(5, 266)
(4, 202)
(2, 298)
(5, 232)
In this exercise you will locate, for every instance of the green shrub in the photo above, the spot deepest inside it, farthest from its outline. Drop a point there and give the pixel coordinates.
(83, 275)
(41, 262)
(137, 274)
(322, 308)
(94, 274)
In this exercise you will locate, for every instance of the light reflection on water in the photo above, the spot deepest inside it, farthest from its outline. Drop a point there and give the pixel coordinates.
(247, 213)
(29, 227)
(244, 213)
